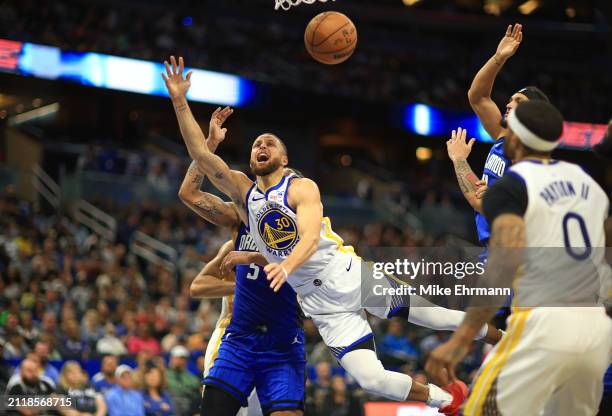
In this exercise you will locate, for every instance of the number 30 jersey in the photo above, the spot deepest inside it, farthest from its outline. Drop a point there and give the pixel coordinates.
(273, 225)
(256, 306)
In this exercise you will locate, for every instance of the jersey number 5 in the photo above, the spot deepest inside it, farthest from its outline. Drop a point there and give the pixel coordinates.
(253, 271)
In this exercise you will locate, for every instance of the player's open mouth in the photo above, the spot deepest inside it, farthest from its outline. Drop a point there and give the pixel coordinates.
(263, 157)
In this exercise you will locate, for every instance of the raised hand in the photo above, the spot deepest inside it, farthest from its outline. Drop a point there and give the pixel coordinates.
(510, 42)
(458, 148)
(173, 77)
(215, 131)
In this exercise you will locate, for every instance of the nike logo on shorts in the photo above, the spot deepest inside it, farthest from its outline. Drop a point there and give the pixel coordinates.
(350, 264)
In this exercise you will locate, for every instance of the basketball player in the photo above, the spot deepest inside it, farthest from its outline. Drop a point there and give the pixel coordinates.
(490, 116)
(258, 340)
(559, 213)
(284, 214)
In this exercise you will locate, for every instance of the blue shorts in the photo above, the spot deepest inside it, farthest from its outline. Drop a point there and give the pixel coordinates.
(274, 364)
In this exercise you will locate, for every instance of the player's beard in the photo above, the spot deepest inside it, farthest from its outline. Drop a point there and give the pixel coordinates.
(266, 169)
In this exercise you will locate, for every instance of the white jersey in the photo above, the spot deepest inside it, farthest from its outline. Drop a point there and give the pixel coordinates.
(273, 225)
(564, 233)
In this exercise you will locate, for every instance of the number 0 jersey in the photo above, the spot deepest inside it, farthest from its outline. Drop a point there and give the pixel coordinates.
(273, 225)
(564, 211)
(256, 306)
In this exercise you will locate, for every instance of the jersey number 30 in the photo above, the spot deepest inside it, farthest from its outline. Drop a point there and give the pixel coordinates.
(253, 271)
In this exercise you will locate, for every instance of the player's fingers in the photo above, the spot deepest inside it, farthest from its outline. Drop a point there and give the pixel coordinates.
(520, 37)
(453, 135)
(173, 62)
(188, 76)
(181, 65)
(168, 70)
(471, 143)
(164, 77)
(515, 29)
(451, 372)
(509, 30)
(462, 135)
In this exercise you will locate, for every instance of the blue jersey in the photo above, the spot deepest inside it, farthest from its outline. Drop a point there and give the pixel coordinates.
(256, 306)
(494, 168)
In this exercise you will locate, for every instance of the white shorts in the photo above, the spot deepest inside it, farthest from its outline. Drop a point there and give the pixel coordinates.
(337, 306)
(551, 360)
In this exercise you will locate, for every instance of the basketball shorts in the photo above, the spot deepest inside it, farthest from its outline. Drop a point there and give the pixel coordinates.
(349, 288)
(551, 361)
(272, 363)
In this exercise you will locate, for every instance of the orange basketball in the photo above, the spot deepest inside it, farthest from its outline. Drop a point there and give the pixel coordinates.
(330, 38)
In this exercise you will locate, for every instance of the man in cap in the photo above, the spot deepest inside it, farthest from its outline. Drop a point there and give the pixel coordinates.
(548, 218)
(123, 399)
(183, 385)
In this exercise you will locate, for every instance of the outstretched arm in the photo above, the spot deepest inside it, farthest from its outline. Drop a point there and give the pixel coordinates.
(233, 183)
(209, 282)
(208, 206)
(458, 151)
(305, 197)
(479, 93)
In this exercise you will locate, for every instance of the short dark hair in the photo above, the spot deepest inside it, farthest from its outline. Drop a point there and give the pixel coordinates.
(534, 94)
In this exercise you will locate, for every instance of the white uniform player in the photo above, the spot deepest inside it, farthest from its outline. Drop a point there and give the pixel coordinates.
(558, 341)
(330, 286)
(549, 222)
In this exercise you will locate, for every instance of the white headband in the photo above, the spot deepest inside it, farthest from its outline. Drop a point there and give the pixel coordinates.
(527, 137)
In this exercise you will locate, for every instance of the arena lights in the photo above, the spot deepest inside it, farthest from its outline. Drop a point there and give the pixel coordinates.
(117, 73)
(426, 120)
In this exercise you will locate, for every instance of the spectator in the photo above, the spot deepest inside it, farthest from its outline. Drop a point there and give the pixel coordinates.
(74, 383)
(156, 398)
(109, 343)
(42, 350)
(339, 401)
(15, 347)
(72, 346)
(29, 382)
(5, 369)
(143, 340)
(396, 349)
(122, 399)
(184, 387)
(27, 329)
(105, 378)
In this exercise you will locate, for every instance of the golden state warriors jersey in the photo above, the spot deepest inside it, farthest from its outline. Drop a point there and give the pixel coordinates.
(273, 225)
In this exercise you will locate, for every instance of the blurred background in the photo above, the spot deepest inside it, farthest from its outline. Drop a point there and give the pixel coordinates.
(95, 247)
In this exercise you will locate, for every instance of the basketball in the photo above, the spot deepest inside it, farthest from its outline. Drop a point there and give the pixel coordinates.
(330, 38)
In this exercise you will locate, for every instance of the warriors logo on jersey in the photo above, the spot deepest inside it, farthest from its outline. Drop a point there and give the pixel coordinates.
(277, 229)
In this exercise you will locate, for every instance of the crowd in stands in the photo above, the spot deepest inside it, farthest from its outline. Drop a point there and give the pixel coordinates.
(85, 318)
(394, 61)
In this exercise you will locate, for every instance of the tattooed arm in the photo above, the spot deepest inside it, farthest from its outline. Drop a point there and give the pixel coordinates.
(232, 183)
(208, 206)
(458, 151)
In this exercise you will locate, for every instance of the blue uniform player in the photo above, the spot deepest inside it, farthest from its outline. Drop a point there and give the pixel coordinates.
(491, 118)
(263, 344)
(494, 123)
(258, 344)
